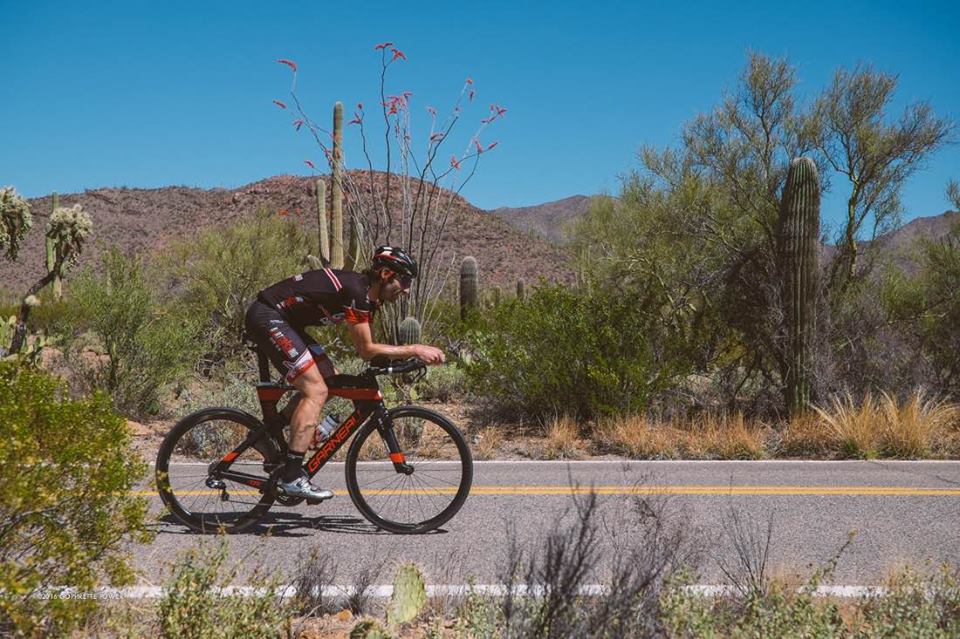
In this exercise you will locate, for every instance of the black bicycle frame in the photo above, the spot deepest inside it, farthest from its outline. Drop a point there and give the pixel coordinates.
(367, 401)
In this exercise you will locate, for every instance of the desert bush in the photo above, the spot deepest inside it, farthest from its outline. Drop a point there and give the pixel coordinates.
(705, 437)
(148, 344)
(442, 383)
(65, 472)
(581, 354)
(563, 440)
(218, 273)
(913, 606)
(195, 605)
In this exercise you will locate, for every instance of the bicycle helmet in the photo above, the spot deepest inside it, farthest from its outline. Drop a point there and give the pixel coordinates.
(395, 259)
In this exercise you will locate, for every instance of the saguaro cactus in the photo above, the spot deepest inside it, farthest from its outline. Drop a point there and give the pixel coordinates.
(409, 331)
(336, 221)
(468, 286)
(797, 234)
(521, 290)
(409, 595)
(354, 258)
(51, 254)
(496, 295)
(322, 220)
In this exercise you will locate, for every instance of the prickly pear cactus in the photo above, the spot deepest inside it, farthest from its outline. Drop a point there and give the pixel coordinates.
(410, 331)
(409, 595)
(369, 629)
(521, 290)
(7, 328)
(468, 286)
(797, 234)
(15, 221)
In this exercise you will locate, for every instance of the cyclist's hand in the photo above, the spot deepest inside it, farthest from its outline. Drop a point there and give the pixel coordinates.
(428, 354)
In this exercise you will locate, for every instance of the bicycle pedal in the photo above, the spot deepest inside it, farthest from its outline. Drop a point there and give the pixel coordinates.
(314, 502)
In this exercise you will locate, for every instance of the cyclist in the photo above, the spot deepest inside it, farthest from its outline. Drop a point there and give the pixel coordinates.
(275, 321)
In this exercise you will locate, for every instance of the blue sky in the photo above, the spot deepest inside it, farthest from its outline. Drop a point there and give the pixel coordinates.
(147, 94)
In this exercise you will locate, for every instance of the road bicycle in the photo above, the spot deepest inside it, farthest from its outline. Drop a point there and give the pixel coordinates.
(408, 469)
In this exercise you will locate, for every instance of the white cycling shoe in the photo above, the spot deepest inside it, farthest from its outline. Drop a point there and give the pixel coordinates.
(301, 487)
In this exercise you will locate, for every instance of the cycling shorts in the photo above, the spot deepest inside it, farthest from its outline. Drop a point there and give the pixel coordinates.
(291, 351)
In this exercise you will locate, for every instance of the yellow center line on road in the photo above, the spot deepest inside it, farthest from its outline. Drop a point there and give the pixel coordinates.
(876, 491)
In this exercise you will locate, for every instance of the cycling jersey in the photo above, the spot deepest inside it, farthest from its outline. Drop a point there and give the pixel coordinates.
(275, 321)
(321, 297)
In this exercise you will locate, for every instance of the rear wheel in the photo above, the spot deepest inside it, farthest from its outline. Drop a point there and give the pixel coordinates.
(425, 499)
(201, 501)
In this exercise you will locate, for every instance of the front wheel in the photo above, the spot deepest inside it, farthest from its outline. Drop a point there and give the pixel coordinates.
(427, 497)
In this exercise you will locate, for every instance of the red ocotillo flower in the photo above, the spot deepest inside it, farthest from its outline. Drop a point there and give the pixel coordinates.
(397, 53)
(297, 124)
(454, 162)
(471, 94)
(289, 63)
(310, 164)
(383, 45)
(476, 143)
(360, 106)
(436, 137)
(489, 120)
(432, 111)
(280, 104)
(491, 145)
(469, 80)
(357, 119)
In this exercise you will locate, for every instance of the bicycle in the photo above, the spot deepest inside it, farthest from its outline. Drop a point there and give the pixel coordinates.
(217, 468)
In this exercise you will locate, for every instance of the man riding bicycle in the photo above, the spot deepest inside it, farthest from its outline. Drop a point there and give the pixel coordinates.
(276, 322)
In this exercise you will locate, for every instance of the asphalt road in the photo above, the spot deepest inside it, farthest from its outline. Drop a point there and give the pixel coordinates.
(904, 513)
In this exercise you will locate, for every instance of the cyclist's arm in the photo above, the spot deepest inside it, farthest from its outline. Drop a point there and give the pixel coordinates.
(367, 349)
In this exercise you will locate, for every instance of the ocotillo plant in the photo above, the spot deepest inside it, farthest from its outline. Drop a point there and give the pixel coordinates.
(521, 290)
(468, 286)
(409, 331)
(322, 220)
(797, 233)
(49, 246)
(336, 221)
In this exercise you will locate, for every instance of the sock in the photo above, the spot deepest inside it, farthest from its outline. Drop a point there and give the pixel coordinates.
(293, 468)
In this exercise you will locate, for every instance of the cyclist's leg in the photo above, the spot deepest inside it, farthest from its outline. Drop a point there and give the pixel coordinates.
(324, 364)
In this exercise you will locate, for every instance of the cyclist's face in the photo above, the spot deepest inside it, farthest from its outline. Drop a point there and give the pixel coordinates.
(395, 286)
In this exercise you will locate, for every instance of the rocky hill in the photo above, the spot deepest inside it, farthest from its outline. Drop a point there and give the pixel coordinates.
(145, 220)
(546, 220)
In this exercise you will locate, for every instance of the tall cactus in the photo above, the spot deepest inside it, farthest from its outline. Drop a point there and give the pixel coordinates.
(496, 295)
(468, 286)
(797, 234)
(51, 254)
(521, 290)
(354, 257)
(336, 222)
(15, 221)
(322, 220)
(409, 331)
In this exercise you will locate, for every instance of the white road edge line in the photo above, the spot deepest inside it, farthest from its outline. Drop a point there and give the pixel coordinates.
(458, 590)
(647, 462)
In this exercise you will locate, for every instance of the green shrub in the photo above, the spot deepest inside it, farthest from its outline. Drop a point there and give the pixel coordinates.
(218, 273)
(194, 605)
(584, 354)
(442, 383)
(148, 344)
(65, 473)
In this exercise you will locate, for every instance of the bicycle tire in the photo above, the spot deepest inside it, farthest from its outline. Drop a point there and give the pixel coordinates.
(198, 440)
(381, 494)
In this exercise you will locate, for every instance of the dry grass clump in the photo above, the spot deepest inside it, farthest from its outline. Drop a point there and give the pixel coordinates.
(918, 427)
(563, 441)
(707, 437)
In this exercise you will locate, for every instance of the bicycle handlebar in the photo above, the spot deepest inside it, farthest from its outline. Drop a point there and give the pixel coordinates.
(382, 366)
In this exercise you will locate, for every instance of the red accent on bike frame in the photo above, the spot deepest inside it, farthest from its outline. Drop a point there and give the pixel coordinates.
(397, 458)
(229, 457)
(256, 483)
(357, 393)
(270, 394)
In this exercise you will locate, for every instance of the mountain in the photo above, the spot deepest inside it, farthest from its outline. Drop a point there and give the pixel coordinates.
(546, 220)
(145, 220)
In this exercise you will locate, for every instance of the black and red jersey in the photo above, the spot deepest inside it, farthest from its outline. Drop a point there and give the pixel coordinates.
(322, 297)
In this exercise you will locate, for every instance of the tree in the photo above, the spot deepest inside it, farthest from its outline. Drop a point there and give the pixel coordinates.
(876, 156)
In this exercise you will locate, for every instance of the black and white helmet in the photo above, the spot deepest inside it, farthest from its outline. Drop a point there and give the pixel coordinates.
(395, 259)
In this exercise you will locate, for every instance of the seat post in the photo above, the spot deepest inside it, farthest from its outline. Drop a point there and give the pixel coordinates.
(264, 366)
